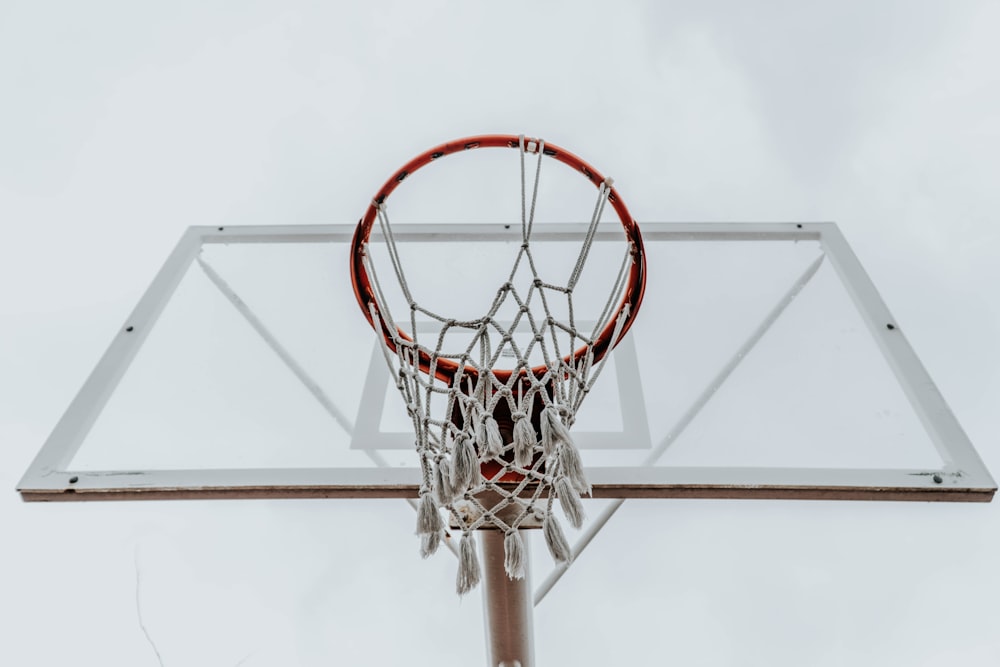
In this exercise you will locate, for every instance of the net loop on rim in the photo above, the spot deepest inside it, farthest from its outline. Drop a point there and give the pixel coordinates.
(494, 444)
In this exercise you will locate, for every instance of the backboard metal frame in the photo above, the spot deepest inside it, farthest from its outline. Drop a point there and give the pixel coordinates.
(963, 477)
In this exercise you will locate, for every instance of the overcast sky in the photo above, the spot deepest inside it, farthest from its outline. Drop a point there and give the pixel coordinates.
(122, 123)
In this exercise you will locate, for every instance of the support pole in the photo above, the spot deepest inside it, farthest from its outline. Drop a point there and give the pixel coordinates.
(507, 607)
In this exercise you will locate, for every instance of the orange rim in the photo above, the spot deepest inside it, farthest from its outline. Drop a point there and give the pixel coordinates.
(445, 369)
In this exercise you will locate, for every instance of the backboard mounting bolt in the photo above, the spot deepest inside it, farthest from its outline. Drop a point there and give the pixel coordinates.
(74, 479)
(890, 326)
(937, 479)
(129, 328)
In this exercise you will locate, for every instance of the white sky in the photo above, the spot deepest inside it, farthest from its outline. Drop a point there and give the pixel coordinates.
(121, 125)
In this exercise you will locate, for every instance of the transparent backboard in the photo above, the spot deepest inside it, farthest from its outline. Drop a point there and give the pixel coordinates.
(762, 364)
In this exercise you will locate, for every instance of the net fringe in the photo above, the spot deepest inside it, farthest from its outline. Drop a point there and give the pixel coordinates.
(555, 540)
(514, 557)
(468, 565)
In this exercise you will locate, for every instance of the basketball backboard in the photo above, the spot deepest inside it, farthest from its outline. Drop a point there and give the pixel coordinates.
(763, 365)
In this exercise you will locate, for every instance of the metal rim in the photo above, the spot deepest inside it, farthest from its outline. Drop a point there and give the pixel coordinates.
(445, 369)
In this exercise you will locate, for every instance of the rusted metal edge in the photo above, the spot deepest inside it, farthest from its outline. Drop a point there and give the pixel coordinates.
(649, 492)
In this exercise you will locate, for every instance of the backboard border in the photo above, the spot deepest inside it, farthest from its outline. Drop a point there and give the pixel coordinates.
(963, 477)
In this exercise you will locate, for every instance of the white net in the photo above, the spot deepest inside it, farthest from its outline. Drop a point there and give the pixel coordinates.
(494, 444)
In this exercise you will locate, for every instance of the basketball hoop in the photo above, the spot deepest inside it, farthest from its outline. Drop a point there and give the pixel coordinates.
(494, 443)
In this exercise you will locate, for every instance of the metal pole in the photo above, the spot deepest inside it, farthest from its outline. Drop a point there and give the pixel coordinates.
(507, 607)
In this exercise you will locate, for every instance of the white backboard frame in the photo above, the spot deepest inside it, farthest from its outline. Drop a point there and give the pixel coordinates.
(963, 477)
